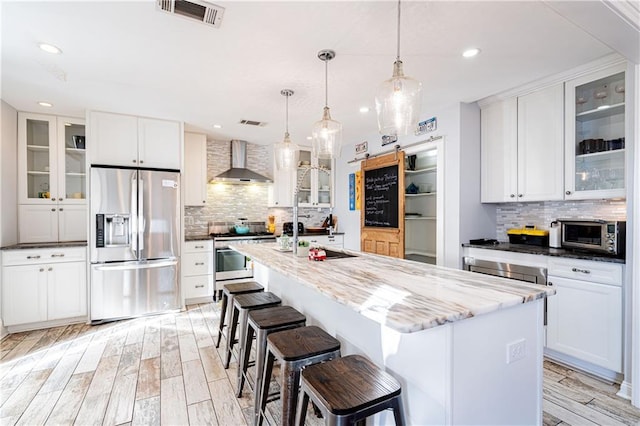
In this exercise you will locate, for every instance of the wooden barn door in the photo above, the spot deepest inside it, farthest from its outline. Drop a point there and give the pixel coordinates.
(382, 209)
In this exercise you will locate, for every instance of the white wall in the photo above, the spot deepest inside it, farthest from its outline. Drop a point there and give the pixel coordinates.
(459, 124)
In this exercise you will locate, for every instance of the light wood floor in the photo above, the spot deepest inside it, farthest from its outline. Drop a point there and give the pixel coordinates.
(166, 370)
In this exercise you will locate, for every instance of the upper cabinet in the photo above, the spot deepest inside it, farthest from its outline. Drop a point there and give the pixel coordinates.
(522, 147)
(123, 140)
(195, 169)
(595, 135)
(314, 179)
(51, 178)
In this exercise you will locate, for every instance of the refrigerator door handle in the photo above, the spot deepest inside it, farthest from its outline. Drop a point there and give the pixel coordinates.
(141, 213)
(136, 265)
(133, 230)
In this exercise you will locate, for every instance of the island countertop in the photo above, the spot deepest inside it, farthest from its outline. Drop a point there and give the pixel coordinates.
(403, 295)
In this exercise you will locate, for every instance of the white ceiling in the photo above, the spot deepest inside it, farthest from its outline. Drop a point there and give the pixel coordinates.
(128, 57)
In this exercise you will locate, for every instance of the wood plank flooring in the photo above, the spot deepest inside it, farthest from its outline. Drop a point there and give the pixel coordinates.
(166, 370)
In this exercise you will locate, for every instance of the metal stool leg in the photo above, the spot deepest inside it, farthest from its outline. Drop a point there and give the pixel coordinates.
(223, 315)
(244, 355)
(302, 409)
(233, 325)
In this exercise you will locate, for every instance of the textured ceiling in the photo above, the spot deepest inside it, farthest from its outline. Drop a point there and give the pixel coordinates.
(128, 57)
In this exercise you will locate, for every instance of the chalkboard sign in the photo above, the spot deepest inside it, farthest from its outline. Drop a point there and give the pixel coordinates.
(381, 197)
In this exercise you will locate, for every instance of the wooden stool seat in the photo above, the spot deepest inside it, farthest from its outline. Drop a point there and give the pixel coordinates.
(242, 304)
(349, 389)
(262, 323)
(295, 349)
(228, 293)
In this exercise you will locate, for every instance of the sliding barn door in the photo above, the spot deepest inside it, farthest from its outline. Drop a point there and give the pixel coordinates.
(382, 209)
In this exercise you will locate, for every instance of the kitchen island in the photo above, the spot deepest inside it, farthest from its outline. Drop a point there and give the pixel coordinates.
(467, 348)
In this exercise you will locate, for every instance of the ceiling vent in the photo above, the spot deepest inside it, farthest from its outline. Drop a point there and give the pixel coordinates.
(253, 123)
(207, 13)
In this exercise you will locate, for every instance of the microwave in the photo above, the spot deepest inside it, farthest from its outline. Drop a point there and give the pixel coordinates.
(595, 235)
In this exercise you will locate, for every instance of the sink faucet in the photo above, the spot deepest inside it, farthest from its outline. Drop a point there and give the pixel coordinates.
(295, 203)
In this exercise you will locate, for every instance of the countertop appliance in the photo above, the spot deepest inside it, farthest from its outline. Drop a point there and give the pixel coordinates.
(530, 274)
(594, 235)
(287, 228)
(231, 266)
(134, 242)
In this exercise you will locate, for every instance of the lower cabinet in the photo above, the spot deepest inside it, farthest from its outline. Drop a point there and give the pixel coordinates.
(585, 315)
(197, 270)
(43, 285)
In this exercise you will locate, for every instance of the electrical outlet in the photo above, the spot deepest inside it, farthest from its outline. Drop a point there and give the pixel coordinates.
(516, 350)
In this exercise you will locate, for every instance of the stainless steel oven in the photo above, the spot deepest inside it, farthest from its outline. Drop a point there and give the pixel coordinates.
(230, 264)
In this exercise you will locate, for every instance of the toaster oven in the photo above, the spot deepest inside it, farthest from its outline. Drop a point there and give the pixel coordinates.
(595, 235)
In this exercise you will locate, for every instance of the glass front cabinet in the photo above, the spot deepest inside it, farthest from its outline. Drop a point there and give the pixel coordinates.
(595, 135)
(315, 185)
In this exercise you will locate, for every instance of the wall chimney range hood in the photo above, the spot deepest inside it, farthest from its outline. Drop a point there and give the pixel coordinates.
(238, 173)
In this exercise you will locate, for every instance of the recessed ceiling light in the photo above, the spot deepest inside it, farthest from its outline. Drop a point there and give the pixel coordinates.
(217, 126)
(470, 53)
(364, 109)
(45, 104)
(50, 48)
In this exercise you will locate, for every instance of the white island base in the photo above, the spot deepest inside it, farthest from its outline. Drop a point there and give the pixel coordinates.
(482, 370)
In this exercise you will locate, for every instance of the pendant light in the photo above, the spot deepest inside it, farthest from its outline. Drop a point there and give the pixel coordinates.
(327, 133)
(286, 152)
(398, 99)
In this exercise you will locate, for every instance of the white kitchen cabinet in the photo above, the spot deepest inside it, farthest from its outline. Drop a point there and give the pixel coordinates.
(51, 178)
(522, 160)
(281, 191)
(595, 135)
(315, 186)
(40, 285)
(195, 169)
(123, 140)
(585, 315)
(197, 270)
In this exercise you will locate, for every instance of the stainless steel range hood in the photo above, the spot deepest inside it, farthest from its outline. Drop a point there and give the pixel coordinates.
(238, 173)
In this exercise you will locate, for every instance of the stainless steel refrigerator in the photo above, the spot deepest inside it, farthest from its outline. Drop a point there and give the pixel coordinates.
(135, 242)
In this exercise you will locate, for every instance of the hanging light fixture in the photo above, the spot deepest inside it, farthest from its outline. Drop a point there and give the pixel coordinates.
(327, 133)
(398, 99)
(286, 152)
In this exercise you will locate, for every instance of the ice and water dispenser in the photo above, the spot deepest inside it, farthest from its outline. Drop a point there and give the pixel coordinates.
(113, 230)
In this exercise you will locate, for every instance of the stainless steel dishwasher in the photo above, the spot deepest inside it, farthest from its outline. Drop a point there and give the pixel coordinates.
(530, 274)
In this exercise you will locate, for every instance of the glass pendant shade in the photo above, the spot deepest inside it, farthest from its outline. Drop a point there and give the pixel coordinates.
(287, 154)
(327, 137)
(398, 103)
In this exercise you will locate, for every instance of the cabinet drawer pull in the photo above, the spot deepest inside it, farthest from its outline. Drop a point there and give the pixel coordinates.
(57, 255)
(199, 246)
(584, 271)
(37, 256)
(199, 263)
(200, 286)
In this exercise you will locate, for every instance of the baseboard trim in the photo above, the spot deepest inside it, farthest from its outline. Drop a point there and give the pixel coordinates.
(625, 390)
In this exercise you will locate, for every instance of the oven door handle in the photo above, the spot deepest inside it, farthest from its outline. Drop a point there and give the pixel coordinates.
(224, 249)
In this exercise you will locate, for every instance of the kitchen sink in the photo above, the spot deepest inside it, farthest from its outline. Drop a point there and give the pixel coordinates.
(332, 254)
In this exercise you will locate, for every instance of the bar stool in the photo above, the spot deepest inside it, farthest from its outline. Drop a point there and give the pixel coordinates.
(242, 304)
(262, 323)
(348, 390)
(294, 349)
(228, 292)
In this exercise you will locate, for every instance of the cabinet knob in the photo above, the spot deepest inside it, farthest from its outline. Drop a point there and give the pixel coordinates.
(60, 209)
(53, 210)
(550, 284)
(134, 161)
(60, 199)
(50, 268)
(204, 201)
(53, 199)
(41, 269)
(568, 192)
(512, 195)
(141, 161)
(520, 195)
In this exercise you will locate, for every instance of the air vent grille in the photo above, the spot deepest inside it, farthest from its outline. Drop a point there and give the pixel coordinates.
(201, 11)
(253, 123)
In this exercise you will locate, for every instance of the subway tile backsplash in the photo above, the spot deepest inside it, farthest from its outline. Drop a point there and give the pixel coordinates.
(541, 214)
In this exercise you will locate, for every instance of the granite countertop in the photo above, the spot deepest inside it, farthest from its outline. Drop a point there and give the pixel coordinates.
(45, 245)
(547, 251)
(403, 295)
(198, 237)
